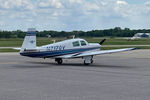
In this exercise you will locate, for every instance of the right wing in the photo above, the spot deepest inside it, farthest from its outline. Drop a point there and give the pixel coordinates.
(105, 52)
(89, 53)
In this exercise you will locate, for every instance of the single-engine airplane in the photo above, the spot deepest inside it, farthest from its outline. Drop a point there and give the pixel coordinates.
(71, 48)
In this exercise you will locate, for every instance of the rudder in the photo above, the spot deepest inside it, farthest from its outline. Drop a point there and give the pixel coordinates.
(29, 42)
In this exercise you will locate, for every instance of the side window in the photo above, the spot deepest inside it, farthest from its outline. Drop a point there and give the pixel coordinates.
(76, 43)
(83, 43)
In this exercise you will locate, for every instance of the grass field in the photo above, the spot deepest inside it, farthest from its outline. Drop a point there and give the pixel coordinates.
(17, 42)
(120, 41)
(8, 50)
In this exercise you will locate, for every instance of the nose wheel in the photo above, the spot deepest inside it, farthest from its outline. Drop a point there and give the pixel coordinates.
(59, 60)
(89, 62)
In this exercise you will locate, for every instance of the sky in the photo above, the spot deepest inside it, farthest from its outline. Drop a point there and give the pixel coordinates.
(69, 15)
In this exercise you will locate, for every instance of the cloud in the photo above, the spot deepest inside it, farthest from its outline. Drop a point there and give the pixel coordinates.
(121, 2)
(147, 4)
(73, 14)
(1, 22)
(76, 1)
(51, 3)
(16, 4)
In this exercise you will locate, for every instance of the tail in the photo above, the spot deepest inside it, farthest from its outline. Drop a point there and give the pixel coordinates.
(29, 43)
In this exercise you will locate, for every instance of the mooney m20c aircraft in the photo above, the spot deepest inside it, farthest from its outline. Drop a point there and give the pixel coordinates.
(72, 48)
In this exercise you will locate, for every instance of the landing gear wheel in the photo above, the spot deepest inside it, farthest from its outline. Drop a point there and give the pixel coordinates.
(59, 60)
(92, 61)
(85, 63)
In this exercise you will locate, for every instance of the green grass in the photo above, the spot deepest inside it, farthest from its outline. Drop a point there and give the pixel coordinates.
(17, 42)
(10, 42)
(8, 50)
(119, 41)
(45, 41)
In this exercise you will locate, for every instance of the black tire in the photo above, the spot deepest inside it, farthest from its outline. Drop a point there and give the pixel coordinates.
(85, 63)
(92, 61)
(59, 61)
(88, 63)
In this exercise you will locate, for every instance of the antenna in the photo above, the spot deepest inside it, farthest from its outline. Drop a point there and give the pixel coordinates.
(73, 36)
(54, 41)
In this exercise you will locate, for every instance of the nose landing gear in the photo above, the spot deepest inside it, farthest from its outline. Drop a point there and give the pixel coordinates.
(88, 60)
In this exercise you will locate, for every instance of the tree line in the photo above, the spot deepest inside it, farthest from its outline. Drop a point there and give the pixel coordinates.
(115, 32)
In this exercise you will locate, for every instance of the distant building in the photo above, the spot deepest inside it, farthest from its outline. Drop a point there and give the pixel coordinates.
(142, 35)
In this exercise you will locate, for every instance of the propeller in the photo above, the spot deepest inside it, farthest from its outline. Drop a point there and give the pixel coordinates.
(102, 41)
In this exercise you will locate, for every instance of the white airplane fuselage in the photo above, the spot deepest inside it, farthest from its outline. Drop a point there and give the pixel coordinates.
(66, 47)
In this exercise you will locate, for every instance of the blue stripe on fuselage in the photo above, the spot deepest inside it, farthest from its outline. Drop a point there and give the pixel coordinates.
(56, 53)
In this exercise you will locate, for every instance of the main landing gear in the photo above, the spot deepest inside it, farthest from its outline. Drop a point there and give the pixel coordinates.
(88, 60)
(59, 60)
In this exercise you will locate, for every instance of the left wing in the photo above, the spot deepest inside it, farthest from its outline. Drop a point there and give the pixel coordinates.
(89, 53)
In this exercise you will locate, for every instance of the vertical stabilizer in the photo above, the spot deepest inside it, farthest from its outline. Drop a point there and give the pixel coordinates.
(29, 42)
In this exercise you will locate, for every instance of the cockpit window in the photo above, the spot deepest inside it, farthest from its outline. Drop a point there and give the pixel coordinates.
(76, 43)
(83, 43)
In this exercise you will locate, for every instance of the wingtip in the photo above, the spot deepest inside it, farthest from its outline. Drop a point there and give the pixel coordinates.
(136, 48)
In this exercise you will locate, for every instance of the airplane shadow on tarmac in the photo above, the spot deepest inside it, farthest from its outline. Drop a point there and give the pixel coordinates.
(35, 64)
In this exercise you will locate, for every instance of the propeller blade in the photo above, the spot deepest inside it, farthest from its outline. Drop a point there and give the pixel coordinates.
(102, 41)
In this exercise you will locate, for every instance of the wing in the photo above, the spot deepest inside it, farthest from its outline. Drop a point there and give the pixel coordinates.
(89, 53)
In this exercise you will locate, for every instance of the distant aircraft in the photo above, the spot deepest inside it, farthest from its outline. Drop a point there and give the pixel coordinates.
(72, 48)
(134, 38)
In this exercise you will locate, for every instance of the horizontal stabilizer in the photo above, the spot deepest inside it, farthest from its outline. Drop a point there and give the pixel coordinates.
(17, 48)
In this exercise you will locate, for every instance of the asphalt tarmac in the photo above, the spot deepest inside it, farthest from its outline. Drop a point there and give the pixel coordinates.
(120, 76)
